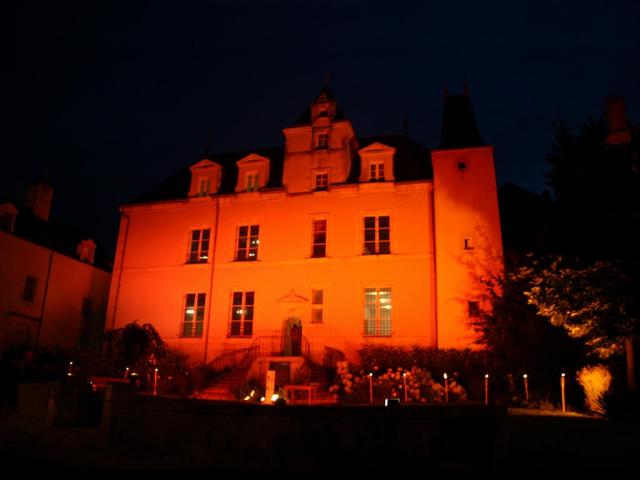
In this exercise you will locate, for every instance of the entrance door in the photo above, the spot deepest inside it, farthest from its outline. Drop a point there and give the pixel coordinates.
(283, 373)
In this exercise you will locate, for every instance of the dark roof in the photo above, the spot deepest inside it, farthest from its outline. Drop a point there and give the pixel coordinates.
(412, 162)
(459, 129)
(56, 236)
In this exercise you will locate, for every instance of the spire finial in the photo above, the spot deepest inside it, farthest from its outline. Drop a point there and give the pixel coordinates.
(327, 79)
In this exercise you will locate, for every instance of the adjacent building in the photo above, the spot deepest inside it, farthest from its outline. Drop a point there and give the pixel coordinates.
(54, 279)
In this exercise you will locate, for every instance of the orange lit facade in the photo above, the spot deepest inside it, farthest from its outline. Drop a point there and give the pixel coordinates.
(339, 240)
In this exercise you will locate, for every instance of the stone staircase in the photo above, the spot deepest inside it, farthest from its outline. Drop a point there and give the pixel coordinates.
(220, 389)
(323, 379)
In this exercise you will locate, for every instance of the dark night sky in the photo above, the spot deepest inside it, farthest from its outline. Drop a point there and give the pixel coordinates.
(113, 97)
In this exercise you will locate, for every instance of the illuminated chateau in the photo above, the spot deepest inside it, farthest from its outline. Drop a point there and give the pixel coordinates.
(317, 248)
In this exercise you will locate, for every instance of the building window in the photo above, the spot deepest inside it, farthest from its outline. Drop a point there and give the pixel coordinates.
(473, 309)
(468, 244)
(319, 246)
(241, 324)
(377, 235)
(322, 140)
(29, 293)
(317, 306)
(248, 241)
(376, 171)
(203, 186)
(321, 181)
(199, 246)
(377, 312)
(252, 182)
(193, 322)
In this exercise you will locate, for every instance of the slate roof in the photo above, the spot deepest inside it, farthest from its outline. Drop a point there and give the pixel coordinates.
(56, 236)
(459, 129)
(412, 162)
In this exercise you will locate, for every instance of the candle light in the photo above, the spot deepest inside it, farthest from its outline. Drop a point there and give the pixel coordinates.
(370, 387)
(155, 382)
(564, 409)
(446, 388)
(525, 377)
(486, 389)
(404, 381)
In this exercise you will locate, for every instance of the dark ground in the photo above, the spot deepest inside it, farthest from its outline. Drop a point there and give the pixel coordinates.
(534, 442)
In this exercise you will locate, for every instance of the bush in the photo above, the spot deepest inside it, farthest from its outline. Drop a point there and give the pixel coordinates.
(465, 367)
(595, 380)
(421, 388)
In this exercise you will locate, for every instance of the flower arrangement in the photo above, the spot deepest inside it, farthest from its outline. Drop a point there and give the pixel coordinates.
(420, 385)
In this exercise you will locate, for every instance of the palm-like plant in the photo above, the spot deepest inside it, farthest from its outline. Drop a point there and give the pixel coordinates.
(136, 345)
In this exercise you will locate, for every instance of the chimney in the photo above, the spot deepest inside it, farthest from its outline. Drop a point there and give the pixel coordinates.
(39, 197)
(617, 118)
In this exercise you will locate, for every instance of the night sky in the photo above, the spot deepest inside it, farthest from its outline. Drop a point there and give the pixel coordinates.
(113, 97)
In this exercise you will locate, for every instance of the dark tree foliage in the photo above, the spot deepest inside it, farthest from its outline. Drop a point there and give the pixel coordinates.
(597, 190)
(519, 341)
(135, 345)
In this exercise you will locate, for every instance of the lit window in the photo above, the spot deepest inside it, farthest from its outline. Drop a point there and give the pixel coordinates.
(323, 140)
(29, 292)
(377, 235)
(319, 245)
(321, 181)
(377, 312)
(376, 171)
(248, 242)
(199, 246)
(193, 322)
(252, 182)
(317, 306)
(241, 324)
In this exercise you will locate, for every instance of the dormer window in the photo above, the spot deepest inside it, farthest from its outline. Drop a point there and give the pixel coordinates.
(377, 163)
(253, 173)
(376, 171)
(321, 181)
(205, 178)
(251, 182)
(322, 140)
(203, 186)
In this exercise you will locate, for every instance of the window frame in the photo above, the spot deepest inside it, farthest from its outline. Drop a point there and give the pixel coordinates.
(376, 171)
(322, 140)
(381, 246)
(244, 254)
(196, 256)
(193, 328)
(30, 288)
(319, 245)
(378, 326)
(242, 323)
(318, 306)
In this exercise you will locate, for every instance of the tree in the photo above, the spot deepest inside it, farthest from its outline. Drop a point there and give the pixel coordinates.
(135, 345)
(518, 340)
(592, 301)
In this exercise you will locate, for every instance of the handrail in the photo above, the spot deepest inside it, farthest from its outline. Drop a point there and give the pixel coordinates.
(332, 356)
(263, 346)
